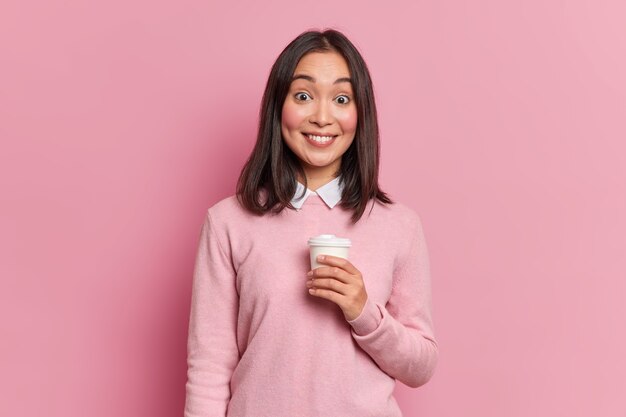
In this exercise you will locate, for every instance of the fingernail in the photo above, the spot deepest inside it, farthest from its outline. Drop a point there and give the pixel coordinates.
(320, 257)
(310, 273)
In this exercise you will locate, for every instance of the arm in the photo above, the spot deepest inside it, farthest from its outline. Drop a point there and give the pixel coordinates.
(212, 352)
(400, 336)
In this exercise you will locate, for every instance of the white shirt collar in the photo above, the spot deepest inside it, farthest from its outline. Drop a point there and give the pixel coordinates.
(329, 192)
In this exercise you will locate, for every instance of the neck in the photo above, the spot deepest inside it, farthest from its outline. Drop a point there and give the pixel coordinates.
(315, 181)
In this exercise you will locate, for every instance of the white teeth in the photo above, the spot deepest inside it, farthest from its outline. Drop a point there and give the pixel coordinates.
(320, 139)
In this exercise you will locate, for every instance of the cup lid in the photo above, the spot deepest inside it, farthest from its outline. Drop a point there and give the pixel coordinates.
(330, 240)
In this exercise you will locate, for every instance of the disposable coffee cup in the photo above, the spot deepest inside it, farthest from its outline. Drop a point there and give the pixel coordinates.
(328, 245)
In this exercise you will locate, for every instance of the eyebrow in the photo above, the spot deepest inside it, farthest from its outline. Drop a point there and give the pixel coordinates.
(311, 79)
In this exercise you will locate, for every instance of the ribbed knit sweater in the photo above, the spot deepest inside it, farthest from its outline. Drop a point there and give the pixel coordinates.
(260, 345)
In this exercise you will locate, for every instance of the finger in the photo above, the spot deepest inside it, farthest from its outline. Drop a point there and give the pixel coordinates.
(330, 284)
(333, 296)
(332, 271)
(342, 263)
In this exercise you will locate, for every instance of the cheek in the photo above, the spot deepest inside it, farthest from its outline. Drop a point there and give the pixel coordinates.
(291, 117)
(348, 121)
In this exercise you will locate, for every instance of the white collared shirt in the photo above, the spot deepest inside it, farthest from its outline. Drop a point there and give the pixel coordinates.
(329, 192)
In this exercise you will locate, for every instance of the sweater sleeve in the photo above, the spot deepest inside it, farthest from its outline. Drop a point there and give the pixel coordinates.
(212, 352)
(399, 337)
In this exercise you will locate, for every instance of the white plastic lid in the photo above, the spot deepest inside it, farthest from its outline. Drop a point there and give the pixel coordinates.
(330, 240)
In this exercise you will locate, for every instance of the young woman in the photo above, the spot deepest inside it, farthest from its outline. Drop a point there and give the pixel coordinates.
(268, 336)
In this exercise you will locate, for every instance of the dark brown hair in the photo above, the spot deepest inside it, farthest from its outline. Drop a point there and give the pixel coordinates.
(272, 165)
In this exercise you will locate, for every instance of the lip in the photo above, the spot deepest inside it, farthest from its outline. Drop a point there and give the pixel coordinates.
(318, 134)
(316, 144)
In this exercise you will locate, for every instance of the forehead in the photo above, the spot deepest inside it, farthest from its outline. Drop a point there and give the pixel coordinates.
(323, 64)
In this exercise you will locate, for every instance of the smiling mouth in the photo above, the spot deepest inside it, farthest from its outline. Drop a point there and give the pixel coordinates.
(320, 139)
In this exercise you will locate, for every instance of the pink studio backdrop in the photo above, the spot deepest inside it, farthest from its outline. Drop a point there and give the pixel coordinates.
(502, 124)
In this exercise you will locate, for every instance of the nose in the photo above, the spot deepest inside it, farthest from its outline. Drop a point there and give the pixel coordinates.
(321, 115)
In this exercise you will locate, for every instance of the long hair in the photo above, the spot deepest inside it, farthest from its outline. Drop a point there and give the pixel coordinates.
(272, 166)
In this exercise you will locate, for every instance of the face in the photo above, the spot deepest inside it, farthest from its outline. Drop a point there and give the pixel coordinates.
(319, 115)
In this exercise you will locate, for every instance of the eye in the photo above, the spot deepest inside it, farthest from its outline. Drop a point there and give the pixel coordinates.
(344, 99)
(299, 96)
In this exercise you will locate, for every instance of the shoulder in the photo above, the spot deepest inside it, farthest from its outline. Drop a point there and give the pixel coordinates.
(226, 211)
(409, 233)
(223, 218)
(401, 216)
(225, 205)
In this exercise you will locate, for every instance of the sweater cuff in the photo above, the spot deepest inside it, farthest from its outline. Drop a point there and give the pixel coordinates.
(368, 320)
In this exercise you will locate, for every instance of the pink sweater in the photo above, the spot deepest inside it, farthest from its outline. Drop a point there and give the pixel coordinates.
(261, 346)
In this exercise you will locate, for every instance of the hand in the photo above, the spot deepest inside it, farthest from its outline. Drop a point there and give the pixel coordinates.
(341, 283)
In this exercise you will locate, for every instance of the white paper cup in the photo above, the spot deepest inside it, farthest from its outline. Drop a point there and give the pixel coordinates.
(328, 245)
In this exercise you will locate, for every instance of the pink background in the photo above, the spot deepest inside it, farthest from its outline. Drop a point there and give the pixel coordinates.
(503, 123)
